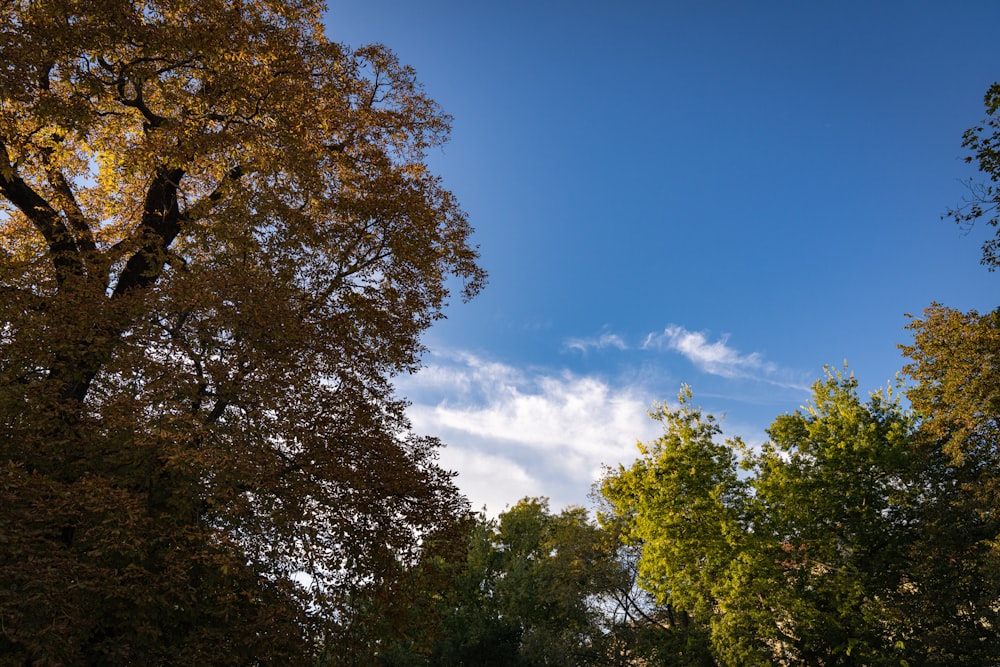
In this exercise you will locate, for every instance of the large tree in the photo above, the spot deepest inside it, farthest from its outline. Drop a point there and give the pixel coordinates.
(850, 538)
(218, 243)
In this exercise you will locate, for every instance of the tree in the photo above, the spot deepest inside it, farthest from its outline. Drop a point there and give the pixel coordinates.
(834, 503)
(471, 629)
(525, 593)
(953, 361)
(218, 243)
(552, 567)
(638, 630)
(529, 588)
(399, 619)
(680, 504)
(847, 540)
(956, 393)
(983, 202)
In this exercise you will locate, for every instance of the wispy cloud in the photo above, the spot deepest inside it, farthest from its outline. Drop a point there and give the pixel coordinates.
(514, 431)
(717, 357)
(511, 433)
(713, 357)
(596, 343)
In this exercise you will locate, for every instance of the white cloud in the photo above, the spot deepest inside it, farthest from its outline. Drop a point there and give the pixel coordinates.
(596, 343)
(511, 433)
(490, 481)
(716, 357)
(712, 357)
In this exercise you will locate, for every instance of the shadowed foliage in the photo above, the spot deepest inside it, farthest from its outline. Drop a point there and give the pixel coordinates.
(218, 243)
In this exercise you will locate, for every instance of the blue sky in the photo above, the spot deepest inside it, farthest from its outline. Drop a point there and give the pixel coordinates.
(729, 195)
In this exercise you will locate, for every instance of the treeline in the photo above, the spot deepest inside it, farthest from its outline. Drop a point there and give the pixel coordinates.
(862, 532)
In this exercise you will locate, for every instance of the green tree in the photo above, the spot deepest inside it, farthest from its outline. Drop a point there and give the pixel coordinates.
(552, 566)
(847, 540)
(681, 504)
(529, 588)
(218, 243)
(834, 503)
(638, 630)
(534, 573)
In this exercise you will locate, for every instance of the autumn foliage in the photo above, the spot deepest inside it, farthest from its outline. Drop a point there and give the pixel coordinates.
(218, 243)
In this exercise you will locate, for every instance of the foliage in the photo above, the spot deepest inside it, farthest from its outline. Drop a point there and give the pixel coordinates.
(218, 242)
(680, 503)
(953, 361)
(834, 502)
(523, 594)
(828, 549)
(695, 482)
(532, 587)
(956, 392)
(983, 143)
(639, 630)
(551, 565)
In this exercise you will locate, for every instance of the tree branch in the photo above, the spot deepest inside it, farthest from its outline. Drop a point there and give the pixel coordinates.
(67, 201)
(161, 222)
(203, 206)
(153, 120)
(63, 248)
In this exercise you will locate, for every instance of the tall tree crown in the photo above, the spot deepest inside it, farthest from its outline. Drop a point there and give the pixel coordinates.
(219, 240)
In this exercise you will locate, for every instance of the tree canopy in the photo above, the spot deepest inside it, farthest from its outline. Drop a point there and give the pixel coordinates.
(856, 534)
(829, 548)
(532, 587)
(218, 242)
